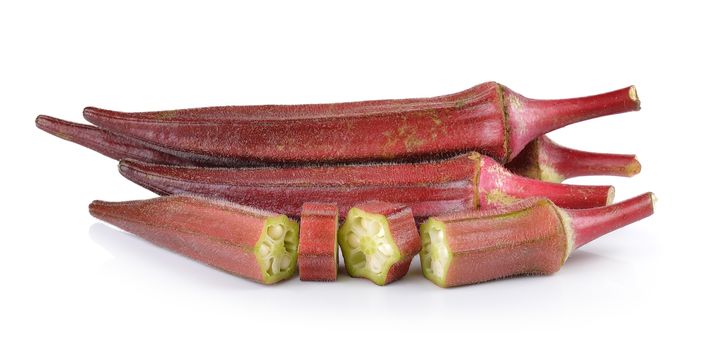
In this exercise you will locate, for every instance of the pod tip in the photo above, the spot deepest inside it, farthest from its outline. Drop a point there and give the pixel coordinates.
(90, 113)
(127, 166)
(94, 207)
(57, 127)
(41, 121)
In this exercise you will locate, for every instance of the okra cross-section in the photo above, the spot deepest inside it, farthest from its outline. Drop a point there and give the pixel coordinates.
(378, 241)
(248, 242)
(318, 243)
(276, 250)
(435, 253)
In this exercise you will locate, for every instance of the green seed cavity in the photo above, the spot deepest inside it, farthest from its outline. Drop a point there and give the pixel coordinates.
(276, 250)
(367, 244)
(435, 254)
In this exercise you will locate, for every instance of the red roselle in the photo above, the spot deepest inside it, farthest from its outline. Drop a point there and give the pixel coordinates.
(488, 118)
(530, 237)
(247, 242)
(428, 188)
(546, 160)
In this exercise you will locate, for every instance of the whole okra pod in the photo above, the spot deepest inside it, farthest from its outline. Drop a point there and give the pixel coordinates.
(488, 118)
(429, 188)
(541, 159)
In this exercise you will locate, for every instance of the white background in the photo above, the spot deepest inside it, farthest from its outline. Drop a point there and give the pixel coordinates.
(70, 281)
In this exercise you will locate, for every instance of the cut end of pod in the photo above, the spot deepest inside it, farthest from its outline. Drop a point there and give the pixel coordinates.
(378, 241)
(634, 97)
(632, 168)
(368, 246)
(435, 253)
(277, 249)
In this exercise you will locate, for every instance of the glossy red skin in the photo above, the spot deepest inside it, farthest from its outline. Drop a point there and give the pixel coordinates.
(533, 236)
(527, 238)
(402, 228)
(215, 233)
(568, 163)
(107, 143)
(428, 188)
(318, 243)
(481, 118)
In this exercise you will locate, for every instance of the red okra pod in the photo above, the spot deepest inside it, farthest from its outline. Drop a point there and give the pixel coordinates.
(244, 241)
(378, 241)
(107, 143)
(488, 118)
(529, 237)
(546, 160)
(541, 159)
(318, 243)
(428, 188)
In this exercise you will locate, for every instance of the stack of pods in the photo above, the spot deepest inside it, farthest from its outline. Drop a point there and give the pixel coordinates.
(468, 180)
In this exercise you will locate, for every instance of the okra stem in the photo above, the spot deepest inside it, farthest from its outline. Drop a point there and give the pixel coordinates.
(532, 118)
(590, 224)
(546, 160)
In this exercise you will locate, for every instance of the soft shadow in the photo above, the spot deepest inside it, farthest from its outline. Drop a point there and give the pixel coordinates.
(148, 259)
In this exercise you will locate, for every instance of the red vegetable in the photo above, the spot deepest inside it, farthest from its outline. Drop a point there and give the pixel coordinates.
(488, 118)
(247, 242)
(428, 188)
(530, 237)
(541, 159)
(107, 143)
(546, 160)
(318, 243)
(378, 241)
